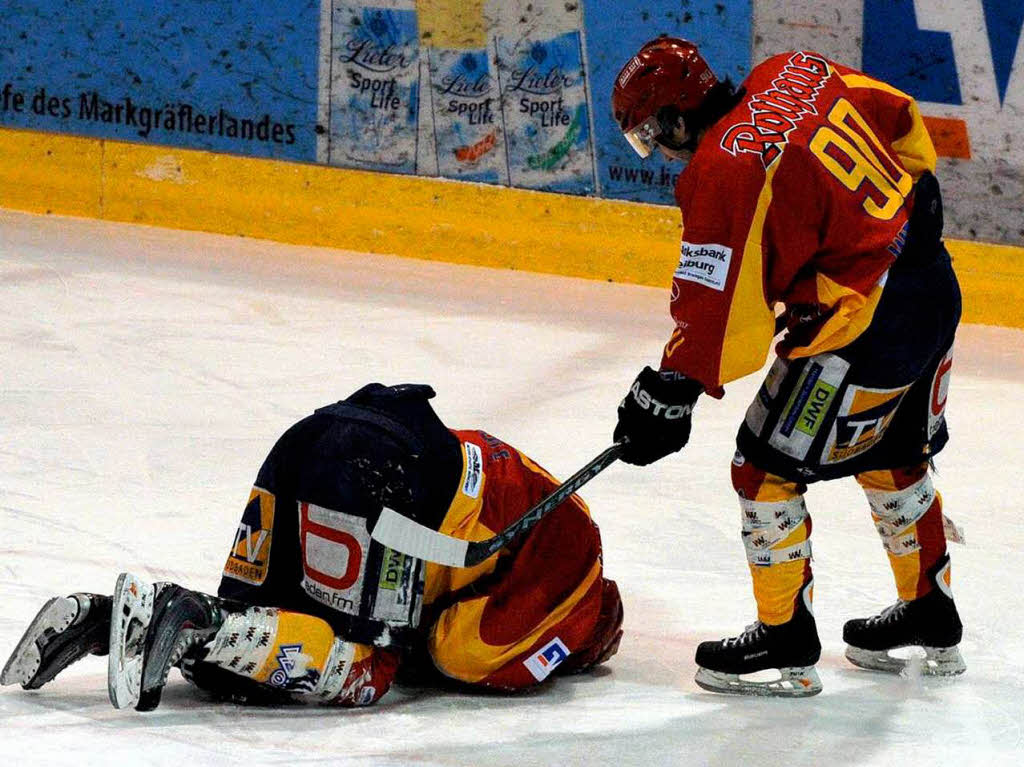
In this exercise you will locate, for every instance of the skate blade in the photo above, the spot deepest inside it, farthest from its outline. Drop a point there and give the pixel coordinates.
(21, 668)
(793, 682)
(937, 661)
(129, 620)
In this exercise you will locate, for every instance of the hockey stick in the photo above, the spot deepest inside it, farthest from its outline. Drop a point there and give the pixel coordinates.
(400, 533)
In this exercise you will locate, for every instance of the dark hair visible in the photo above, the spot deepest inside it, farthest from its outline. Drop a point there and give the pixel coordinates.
(722, 97)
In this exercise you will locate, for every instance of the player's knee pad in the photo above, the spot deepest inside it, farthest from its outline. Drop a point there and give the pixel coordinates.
(897, 512)
(768, 524)
(291, 652)
(773, 510)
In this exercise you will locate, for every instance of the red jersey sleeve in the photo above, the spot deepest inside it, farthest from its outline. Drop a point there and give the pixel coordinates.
(724, 324)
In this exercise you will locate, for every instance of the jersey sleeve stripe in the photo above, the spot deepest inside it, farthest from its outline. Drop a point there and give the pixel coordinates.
(751, 323)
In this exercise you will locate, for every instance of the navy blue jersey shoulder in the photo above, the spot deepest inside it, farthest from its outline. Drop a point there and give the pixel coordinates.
(383, 445)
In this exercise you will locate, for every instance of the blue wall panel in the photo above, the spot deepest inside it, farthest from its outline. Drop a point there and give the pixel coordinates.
(614, 32)
(105, 68)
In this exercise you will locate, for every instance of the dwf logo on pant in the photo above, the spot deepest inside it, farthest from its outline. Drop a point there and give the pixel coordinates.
(547, 659)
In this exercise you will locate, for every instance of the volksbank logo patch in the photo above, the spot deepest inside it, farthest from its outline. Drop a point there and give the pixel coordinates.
(547, 659)
(705, 263)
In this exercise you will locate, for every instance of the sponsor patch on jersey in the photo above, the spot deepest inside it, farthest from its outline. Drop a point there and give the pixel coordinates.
(366, 695)
(937, 396)
(704, 263)
(291, 664)
(474, 474)
(250, 554)
(334, 548)
(547, 659)
(808, 405)
(863, 418)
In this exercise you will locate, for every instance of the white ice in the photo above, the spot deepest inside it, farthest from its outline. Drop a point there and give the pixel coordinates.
(145, 373)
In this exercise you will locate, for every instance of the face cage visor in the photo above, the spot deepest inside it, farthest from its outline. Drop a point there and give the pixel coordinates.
(643, 138)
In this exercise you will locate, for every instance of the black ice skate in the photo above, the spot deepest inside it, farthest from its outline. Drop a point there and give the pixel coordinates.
(930, 622)
(152, 629)
(63, 631)
(792, 648)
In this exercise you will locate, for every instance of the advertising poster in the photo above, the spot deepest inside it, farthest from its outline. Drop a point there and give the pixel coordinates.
(468, 122)
(614, 31)
(375, 81)
(547, 124)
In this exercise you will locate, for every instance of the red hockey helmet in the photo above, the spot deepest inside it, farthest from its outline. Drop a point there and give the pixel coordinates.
(666, 72)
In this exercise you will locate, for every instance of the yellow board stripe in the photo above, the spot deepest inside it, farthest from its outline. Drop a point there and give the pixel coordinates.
(401, 215)
(452, 23)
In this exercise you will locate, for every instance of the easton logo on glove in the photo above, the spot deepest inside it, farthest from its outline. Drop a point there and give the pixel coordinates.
(654, 418)
(659, 409)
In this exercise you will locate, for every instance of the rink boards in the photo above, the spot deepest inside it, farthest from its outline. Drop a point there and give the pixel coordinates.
(409, 216)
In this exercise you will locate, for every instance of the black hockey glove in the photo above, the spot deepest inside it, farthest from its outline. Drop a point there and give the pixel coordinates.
(654, 417)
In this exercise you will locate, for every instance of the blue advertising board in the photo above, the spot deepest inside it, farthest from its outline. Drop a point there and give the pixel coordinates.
(235, 77)
(614, 32)
(526, 103)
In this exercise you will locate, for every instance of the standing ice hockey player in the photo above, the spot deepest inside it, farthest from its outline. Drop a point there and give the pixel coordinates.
(310, 606)
(808, 194)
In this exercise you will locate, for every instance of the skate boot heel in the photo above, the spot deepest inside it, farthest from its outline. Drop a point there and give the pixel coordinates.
(929, 625)
(942, 661)
(64, 630)
(129, 622)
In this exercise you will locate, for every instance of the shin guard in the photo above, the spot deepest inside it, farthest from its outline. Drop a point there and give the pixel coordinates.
(776, 536)
(907, 512)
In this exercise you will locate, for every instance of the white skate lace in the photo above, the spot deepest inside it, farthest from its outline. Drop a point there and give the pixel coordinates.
(890, 613)
(749, 635)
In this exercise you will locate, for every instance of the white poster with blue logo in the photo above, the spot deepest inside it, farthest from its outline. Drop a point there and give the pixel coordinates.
(374, 88)
(467, 116)
(547, 123)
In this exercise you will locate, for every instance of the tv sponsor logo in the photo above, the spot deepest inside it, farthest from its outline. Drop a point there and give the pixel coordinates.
(249, 559)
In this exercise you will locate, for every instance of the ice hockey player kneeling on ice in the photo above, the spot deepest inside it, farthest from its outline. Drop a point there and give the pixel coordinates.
(809, 194)
(310, 608)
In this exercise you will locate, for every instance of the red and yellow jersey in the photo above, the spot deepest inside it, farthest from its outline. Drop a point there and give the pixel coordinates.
(550, 578)
(511, 620)
(798, 197)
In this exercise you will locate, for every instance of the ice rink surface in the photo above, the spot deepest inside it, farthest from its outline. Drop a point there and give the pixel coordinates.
(145, 373)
